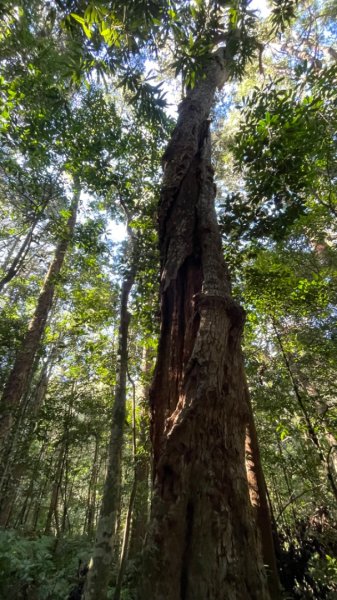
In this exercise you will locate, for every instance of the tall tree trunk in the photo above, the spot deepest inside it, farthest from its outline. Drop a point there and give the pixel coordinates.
(202, 541)
(141, 502)
(100, 565)
(259, 501)
(127, 526)
(28, 494)
(125, 543)
(37, 504)
(287, 482)
(91, 499)
(56, 487)
(18, 380)
(325, 460)
(66, 491)
(16, 469)
(142, 472)
(14, 267)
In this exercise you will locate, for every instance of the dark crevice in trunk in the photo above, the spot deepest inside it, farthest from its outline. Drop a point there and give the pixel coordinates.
(187, 550)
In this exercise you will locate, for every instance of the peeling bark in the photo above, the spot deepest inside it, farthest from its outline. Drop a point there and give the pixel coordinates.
(202, 542)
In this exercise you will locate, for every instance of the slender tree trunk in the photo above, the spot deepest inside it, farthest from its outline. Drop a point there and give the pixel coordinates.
(18, 380)
(37, 505)
(202, 541)
(66, 491)
(53, 505)
(17, 262)
(125, 544)
(10, 453)
(259, 501)
(91, 501)
(129, 516)
(325, 460)
(287, 482)
(24, 512)
(141, 503)
(332, 454)
(6, 264)
(17, 470)
(100, 565)
(276, 496)
(127, 527)
(140, 515)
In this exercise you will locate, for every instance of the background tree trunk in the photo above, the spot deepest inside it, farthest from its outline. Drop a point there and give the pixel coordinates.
(91, 501)
(54, 498)
(140, 515)
(12, 269)
(100, 565)
(309, 425)
(17, 456)
(18, 380)
(259, 501)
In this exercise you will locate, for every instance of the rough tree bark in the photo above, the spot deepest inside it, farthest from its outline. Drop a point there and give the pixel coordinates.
(18, 380)
(100, 565)
(202, 543)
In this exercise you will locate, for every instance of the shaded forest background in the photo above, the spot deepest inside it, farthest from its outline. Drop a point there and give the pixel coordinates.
(88, 95)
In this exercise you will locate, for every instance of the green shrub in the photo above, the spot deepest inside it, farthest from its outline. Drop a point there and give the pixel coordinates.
(39, 568)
